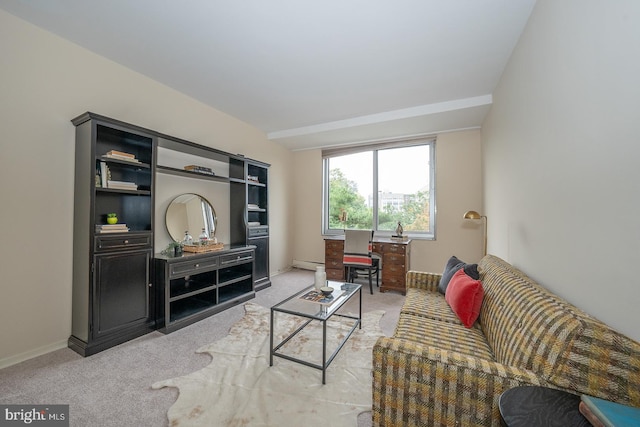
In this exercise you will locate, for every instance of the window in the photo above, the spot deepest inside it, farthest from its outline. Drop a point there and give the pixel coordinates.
(377, 186)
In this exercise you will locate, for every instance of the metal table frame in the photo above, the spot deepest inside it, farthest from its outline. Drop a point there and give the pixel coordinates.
(324, 314)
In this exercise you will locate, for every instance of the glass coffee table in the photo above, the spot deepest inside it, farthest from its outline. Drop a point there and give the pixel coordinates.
(296, 306)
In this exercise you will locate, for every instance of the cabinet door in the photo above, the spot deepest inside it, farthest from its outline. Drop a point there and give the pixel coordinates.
(261, 260)
(121, 291)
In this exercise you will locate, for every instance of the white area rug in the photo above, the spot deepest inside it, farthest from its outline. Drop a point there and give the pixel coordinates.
(238, 388)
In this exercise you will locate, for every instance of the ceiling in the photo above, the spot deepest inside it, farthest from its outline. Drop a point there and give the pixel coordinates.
(308, 73)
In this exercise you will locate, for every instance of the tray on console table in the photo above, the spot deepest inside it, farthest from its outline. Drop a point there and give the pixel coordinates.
(209, 247)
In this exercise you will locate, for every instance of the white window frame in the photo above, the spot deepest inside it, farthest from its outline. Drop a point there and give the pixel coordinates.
(341, 151)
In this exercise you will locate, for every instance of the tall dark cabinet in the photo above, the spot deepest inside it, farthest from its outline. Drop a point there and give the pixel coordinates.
(250, 209)
(112, 296)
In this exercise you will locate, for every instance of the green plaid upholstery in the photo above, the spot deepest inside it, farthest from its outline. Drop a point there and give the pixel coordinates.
(435, 372)
(431, 306)
(523, 324)
(452, 337)
(420, 385)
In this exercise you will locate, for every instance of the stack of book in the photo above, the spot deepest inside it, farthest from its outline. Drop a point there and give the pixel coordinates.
(199, 169)
(253, 178)
(121, 155)
(122, 185)
(600, 412)
(111, 228)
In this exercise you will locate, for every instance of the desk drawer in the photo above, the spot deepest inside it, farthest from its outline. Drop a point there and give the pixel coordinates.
(394, 270)
(335, 274)
(391, 258)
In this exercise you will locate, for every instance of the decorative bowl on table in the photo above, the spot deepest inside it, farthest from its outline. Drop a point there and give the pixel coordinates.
(326, 290)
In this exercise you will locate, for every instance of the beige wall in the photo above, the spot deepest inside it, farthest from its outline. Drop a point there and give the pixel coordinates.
(561, 156)
(458, 189)
(46, 81)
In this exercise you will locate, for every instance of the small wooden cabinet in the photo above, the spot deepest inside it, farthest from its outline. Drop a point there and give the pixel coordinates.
(333, 254)
(395, 264)
(395, 261)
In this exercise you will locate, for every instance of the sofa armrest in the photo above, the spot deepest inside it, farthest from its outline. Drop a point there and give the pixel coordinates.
(414, 384)
(423, 280)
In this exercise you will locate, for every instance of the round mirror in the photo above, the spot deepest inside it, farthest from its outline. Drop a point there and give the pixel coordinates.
(190, 213)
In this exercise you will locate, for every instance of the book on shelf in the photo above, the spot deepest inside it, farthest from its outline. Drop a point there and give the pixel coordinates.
(253, 206)
(122, 185)
(253, 178)
(111, 228)
(199, 169)
(253, 223)
(124, 159)
(120, 154)
(602, 412)
(104, 174)
(318, 297)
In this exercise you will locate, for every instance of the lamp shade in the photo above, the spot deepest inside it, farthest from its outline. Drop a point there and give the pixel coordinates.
(472, 215)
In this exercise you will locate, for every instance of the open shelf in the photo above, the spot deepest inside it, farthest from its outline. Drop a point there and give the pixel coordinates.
(185, 173)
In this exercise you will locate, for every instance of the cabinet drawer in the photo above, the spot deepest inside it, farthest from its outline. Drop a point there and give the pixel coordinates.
(103, 243)
(391, 258)
(333, 263)
(392, 280)
(194, 266)
(394, 269)
(394, 248)
(236, 258)
(258, 231)
(334, 254)
(335, 273)
(333, 246)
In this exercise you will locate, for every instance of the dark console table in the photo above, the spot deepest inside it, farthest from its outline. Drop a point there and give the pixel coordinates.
(193, 286)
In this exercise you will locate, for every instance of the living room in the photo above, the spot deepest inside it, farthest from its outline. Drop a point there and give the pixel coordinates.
(552, 167)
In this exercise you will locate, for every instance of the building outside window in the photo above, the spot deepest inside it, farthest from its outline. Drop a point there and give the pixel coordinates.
(376, 186)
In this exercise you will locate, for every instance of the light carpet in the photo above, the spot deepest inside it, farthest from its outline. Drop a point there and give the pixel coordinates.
(238, 388)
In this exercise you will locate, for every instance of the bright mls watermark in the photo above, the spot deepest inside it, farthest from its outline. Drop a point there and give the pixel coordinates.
(34, 415)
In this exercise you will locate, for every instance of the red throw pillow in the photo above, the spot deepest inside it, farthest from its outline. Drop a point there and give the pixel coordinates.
(464, 296)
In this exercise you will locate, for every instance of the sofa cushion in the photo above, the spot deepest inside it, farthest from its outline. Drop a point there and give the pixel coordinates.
(443, 335)
(429, 304)
(464, 295)
(451, 267)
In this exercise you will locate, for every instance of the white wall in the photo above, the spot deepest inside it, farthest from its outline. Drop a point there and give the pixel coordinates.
(561, 153)
(46, 81)
(458, 189)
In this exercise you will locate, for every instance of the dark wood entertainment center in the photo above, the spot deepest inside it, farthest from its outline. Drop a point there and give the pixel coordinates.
(122, 288)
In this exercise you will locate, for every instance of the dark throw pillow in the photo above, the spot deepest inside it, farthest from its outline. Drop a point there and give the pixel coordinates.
(453, 265)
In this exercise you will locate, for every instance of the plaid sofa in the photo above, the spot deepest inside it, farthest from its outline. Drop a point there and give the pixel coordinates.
(436, 372)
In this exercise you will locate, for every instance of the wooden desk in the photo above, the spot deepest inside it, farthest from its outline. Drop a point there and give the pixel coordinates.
(395, 261)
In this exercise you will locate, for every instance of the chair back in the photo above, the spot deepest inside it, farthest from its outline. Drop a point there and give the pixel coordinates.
(357, 247)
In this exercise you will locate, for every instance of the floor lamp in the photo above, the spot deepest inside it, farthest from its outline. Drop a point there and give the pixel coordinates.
(476, 215)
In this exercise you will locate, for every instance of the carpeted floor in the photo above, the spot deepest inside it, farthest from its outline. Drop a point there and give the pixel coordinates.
(113, 388)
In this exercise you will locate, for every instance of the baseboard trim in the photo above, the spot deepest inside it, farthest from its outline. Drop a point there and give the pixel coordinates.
(306, 265)
(14, 360)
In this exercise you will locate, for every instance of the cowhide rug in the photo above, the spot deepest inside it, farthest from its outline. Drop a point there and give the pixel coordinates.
(238, 388)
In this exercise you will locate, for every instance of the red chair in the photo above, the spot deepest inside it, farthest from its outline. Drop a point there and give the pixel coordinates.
(358, 258)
